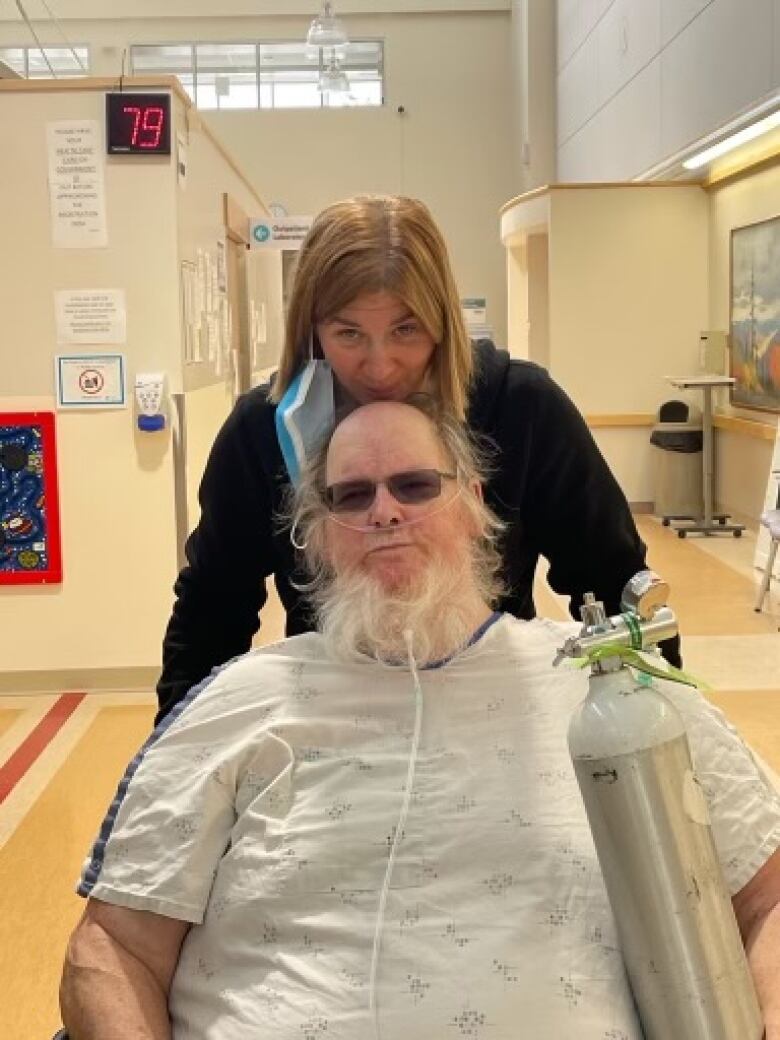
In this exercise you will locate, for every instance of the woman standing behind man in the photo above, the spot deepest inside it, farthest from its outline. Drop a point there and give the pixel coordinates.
(375, 314)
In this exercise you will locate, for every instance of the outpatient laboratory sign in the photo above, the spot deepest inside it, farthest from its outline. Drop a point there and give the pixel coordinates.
(278, 232)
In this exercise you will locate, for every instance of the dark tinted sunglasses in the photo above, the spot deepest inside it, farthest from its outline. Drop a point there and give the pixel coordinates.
(410, 488)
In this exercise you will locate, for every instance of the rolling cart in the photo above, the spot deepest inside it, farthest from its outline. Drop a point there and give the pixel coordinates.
(708, 523)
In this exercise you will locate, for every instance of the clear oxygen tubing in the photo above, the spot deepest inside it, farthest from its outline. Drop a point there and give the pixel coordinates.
(373, 1005)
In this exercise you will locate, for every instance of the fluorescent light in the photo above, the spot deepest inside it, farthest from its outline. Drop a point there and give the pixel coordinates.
(734, 141)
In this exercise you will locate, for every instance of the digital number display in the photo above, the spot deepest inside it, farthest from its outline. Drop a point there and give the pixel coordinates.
(138, 124)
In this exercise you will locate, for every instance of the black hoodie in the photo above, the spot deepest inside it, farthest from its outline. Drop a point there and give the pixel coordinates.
(550, 485)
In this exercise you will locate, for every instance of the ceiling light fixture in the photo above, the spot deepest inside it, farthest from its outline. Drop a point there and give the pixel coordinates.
(749, 133)
(326, 30)
(333, 79)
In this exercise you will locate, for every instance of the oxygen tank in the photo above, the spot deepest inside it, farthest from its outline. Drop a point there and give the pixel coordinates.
(678, 933)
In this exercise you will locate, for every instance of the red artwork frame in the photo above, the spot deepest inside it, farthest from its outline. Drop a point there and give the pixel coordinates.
(30, 545)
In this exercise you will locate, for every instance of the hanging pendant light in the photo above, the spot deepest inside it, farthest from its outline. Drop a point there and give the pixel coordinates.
(326, 30)
(333, 79)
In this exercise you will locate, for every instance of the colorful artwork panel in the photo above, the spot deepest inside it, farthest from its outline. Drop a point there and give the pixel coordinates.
(755, 315)
(29, 508)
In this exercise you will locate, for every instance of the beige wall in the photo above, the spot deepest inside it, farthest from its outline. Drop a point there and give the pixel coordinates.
(451, 148)
(139, 258)
(634, 274)
(609, 291)
(117, 485)
(454, 147)
(628, 293)
(205, 411)
(631, 459)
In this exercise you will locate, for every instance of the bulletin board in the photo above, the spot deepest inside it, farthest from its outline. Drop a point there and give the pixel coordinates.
(29, 510)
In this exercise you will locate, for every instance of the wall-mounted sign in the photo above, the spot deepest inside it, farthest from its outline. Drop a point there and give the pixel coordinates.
(90, 316)
(474, 310)
(278, 233)
(76, 188)
(138, 124)
(90, 380)
(29, 511)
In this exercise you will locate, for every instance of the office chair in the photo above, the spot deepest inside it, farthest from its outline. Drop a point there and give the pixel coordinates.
(771, 521)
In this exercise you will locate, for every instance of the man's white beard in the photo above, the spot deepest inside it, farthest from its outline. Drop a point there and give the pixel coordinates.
(357, 615)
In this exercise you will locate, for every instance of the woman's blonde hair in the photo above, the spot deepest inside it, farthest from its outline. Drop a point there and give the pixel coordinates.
(379, 243)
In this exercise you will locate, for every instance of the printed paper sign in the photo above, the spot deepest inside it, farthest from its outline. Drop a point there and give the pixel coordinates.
(474, 311)
(90, 380)
(76, 184)
(221, 267)
(91, 316)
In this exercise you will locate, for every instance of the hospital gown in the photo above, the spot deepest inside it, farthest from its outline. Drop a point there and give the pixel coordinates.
(264, 814)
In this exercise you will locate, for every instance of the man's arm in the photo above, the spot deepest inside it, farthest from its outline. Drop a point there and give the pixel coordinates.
(117, 974)
(757, 907)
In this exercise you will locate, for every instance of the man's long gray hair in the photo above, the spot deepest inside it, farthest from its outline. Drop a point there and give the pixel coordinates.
(309, 512)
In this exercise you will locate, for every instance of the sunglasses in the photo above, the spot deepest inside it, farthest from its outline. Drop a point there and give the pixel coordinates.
(410, 488)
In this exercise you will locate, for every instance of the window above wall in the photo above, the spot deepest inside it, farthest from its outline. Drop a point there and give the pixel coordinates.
(270, 74)
(31, 64)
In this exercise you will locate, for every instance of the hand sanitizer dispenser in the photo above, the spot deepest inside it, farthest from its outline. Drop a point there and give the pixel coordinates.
(150, 401)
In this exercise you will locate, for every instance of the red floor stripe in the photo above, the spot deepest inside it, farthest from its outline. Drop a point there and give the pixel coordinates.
(36, 742)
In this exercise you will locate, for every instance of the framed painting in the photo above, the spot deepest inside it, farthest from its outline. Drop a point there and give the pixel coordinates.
(29, 508)
(754, 321)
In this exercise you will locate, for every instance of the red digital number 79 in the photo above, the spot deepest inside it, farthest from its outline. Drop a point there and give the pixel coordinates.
(147, 121)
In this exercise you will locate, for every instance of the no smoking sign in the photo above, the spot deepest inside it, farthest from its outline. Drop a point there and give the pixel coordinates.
(91, 381)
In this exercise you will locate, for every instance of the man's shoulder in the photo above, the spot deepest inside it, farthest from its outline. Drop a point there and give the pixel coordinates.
(537, 639)
(535, 628)
(309, 647)
(258, 682)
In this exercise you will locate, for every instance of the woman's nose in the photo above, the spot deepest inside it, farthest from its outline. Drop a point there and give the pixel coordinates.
(378, 363)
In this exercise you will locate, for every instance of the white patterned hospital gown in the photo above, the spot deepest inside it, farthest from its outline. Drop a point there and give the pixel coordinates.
(265, 812)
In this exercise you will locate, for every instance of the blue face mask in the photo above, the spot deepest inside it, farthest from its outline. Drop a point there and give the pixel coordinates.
(305, 416)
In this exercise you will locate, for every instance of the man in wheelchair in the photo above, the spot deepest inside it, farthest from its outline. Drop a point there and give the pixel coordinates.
(377, 826)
